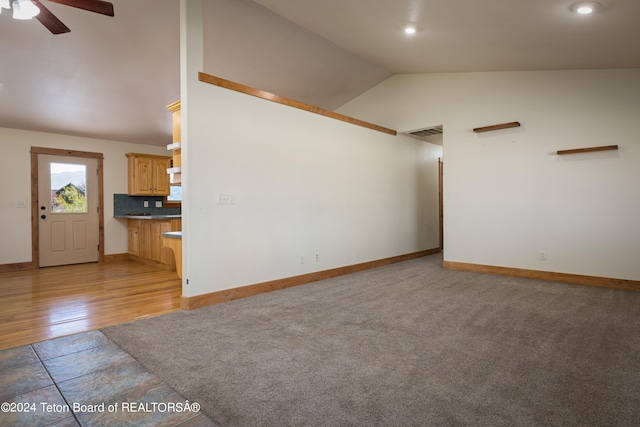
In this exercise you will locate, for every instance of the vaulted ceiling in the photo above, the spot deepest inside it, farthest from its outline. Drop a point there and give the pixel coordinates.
(111, 77)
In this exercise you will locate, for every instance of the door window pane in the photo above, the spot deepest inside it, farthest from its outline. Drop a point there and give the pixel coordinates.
(68, 188)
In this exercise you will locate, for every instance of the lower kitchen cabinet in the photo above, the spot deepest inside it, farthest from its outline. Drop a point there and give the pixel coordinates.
(145, 241)
(133, 237)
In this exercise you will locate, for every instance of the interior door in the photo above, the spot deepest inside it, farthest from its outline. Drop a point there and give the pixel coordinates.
(68, 210)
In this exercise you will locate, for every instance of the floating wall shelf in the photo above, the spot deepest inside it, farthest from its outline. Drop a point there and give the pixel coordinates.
(497, 127)
(588, 150)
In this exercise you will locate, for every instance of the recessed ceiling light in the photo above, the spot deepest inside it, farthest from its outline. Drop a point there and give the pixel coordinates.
(410, 30)
(585, 7)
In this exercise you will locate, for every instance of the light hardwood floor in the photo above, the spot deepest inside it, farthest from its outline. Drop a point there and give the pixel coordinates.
(36, 305)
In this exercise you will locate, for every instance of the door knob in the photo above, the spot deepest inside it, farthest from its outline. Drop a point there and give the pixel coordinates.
(43, 216)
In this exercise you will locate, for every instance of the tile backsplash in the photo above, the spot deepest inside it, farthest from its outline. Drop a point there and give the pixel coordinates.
(123, 204)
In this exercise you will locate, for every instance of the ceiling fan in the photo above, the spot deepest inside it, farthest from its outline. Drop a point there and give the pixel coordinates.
(27, 9)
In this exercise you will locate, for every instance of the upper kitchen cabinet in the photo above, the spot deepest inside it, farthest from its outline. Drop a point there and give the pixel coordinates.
(148, 174)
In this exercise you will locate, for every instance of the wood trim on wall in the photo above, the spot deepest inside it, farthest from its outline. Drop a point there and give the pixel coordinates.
(497, 127)
(199, 301)
(35, 229)
(35, 236)
(153, 263)
(20, 266)
(606, 282)
(116, 258)
(587, 150)
(217, 81)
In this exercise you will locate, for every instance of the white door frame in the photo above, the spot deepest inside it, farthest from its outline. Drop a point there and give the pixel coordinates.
(35, 227)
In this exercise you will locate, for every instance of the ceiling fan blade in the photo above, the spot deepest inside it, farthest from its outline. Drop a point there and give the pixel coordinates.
(97, 6)
(49, 20)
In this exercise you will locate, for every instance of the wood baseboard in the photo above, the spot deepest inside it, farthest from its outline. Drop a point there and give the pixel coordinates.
(110, 258)
(20, 266)
(32, 266)
(156, 264)
(199, 301)
(606, 282)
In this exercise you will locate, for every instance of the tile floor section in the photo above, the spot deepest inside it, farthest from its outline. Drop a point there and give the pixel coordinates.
(86, 380)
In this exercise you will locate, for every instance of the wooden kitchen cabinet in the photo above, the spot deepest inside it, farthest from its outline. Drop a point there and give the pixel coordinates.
(133, 238)
(145, 241)
(157, 251)
(147, 174)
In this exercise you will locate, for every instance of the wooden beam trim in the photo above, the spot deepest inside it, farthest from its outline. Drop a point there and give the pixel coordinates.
(588, 150)
(199, 301)
(497, 127)
(217, 81)
(605, 282)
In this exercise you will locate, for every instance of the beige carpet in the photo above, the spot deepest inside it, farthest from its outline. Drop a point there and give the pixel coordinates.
(409, 344)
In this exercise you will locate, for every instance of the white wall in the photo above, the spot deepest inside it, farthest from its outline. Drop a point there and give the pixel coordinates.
(508, 196)
(303, 184)
(15, 174)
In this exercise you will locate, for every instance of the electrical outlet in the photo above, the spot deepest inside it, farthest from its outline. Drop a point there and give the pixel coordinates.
(226, 199)
(158, 203)
(317, 257)
(542, 256)
(301, 259)
(145, 203)
(21, 204)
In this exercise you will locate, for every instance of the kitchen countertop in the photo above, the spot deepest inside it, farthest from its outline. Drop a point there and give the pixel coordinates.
(147, 216)
(173, 234)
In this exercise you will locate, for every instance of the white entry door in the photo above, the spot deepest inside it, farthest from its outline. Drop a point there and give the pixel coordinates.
(68, 210)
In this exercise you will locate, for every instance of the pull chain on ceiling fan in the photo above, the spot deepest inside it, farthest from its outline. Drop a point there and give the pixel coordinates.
(27, 9)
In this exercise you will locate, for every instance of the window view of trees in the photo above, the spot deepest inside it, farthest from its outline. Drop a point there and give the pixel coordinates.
(68, 188)
(70, 199)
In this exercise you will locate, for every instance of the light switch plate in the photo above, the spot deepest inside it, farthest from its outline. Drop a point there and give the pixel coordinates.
(158, 203)
(145, 203)
(226, 199)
